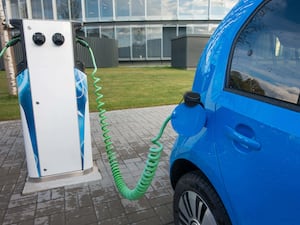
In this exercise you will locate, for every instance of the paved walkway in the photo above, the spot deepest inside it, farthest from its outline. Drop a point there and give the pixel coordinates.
(96, 202)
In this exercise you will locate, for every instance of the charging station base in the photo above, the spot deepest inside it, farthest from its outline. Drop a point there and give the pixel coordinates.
(42, 184)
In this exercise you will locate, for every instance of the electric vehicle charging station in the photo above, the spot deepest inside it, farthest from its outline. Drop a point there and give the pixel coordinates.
(55, 115)
(54, 105)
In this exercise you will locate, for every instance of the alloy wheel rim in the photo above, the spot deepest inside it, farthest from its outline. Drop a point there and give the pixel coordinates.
(194, 211)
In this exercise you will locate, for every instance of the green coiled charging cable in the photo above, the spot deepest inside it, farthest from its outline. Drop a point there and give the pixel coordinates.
(153, 155)
(154, 152)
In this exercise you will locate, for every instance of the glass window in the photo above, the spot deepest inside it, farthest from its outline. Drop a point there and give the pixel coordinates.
(169, 9)
(198, 29)
(182, 31)
(138, 8)
(14, 9)
(48, 9)
(37, 12)
(153, 8)
(108, 32)
(92, 31)
(169, 33)
(154, 42)
(91, 10)
(106, 7)
(193, 9)
(123, 37)
(62, 9)
(138, 43)
(266, 57)
(76, 10)
(219, 8)
(122, 8)
(201, 29)
(23, 9)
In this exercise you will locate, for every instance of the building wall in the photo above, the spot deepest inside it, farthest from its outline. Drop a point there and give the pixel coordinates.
(143, 28)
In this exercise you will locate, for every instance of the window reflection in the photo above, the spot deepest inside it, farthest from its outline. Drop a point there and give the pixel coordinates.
(138, 8)
(169, 33)
(138, 43)
(153, 8)
(48, 9)
(62, 9)
(169, 9)
(92, 32)
(193, 9)
(36, 9)
(76, 9)
(108, 32)
(198, 29)
(154, 42)
(219, 8)
(106, 7)
(122, 8)
(23, 9)
(266, 55)
(182, 31)
(91, 9)
(14, 9)
(123, 37)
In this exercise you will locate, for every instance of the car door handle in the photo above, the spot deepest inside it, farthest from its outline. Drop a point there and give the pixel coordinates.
(247, 142)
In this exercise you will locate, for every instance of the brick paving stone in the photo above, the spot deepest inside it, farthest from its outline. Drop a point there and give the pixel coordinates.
(133, 206)
(18, 200)
(2, 212)
(116, 208)
(44, 196)
(149, 221)
(57, 219)
(4, 201)
(57, 193)
(102, 211)
(141, 215)
(27, 222)
(122, 220)
(96, 202)
(85, 215)
(71, 202)
(50, 207)
(164, 214)
(19, 214)
(42, 221)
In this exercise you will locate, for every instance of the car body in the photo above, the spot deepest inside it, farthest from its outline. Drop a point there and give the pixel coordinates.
(248, 150)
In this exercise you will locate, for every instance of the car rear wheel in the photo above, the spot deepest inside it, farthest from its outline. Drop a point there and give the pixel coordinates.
(197, 203)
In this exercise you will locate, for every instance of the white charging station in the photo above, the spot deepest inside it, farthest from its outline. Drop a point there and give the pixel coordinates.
(53, 101)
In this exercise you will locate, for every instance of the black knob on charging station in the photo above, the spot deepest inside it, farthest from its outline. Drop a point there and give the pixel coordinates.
(39, 38)
(58, 39)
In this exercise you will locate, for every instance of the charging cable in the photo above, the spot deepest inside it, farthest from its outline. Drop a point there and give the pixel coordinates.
(10, 43)
(154, 152)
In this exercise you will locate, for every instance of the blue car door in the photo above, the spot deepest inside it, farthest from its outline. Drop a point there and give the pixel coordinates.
(258, 118)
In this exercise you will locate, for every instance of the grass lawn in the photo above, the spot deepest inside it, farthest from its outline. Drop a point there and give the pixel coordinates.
(122, 87)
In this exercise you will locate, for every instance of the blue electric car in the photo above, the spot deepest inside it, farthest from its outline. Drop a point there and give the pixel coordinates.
(237, 157)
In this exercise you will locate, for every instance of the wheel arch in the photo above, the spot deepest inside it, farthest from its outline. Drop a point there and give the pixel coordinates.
(181, 167)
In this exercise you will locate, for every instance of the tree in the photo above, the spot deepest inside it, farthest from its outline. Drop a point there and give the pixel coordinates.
(8, 58)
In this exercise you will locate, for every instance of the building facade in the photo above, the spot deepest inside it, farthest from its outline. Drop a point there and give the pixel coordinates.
(143, 28)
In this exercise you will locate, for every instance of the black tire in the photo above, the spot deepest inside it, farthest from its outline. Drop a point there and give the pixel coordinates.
(197, 203)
